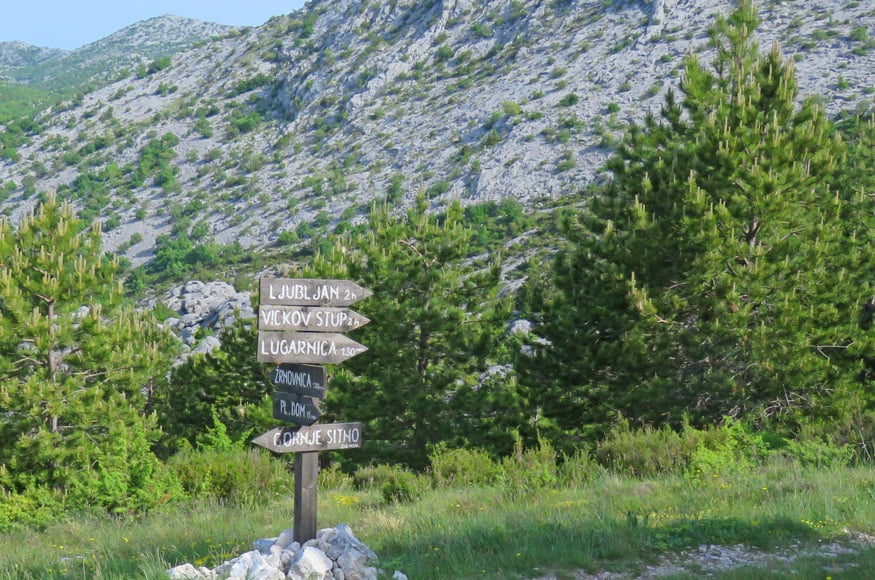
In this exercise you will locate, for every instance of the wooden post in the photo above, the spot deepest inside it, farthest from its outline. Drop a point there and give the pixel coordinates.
(299, 322)
(306, 473)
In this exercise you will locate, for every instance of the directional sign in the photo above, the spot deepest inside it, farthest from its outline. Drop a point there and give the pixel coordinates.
(301, 380)
(310, 292)
(305, 347)
(334, 436)
(295, 408)
(312, 318)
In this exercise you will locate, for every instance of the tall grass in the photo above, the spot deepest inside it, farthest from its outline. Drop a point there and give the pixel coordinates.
(641, 495)
(611, 522)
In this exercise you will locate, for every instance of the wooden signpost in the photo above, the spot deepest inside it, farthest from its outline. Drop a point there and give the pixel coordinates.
(295, 408)
(308, 318)
(306, 347)
(331, 437)
(300, 322)
(307, 380)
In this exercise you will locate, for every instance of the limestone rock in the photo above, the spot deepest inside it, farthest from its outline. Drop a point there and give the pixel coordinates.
(311, 564)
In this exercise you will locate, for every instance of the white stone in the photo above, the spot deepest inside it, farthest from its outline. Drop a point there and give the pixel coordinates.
(310, 564)
(188, 572)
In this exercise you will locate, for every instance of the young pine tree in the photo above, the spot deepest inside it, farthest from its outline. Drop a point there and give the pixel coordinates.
(436, 323)
(713, 275)
(75, 367)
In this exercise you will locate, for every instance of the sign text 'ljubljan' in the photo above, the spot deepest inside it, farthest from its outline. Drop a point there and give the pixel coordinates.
(310, 292)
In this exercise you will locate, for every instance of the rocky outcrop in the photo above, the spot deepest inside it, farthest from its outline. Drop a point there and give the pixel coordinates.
(204, 310)
(299, 124)
(335, 554)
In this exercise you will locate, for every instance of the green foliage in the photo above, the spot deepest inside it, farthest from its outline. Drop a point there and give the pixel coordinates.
(258, 81)
(728, 450)
(244, 121)
(569, 100)
(436, 323)
(527, 471)
(216, 399)
(402, 486)
(32, 508)
(157, 65)
(437, 189)
(718, 272)
(646, 452)
(395, 189)
(461, 467)
(232, 474)
(494, 223)
(75, 365)
(444, 53)
(375, 476)
(17, 129)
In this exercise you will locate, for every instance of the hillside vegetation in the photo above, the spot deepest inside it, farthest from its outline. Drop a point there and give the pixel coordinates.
(294, 127)
(703, 310)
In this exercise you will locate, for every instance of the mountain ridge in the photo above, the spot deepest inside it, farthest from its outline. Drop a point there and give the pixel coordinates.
(102, 60)
(298, 124)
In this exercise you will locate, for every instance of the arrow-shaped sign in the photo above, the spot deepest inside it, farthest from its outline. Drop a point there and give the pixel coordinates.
(308, 318)
(310, 292)
(295, 408)
(308, 380)
(334, 436)
(306, 347)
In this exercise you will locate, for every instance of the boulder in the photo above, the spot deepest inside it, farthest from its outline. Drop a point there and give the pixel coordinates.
(311, 564)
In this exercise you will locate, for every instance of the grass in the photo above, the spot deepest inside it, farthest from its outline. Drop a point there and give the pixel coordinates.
(611, 523)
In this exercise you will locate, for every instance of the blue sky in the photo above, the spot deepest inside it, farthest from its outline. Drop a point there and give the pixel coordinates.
(70, 24)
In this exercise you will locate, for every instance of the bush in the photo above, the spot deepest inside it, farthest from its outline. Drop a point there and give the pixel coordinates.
(460, 467)
(403, 487)
(236, 475)
(527, 471)
(395, 483)
(645, 452)
(374, 476)
(34, 508)
(334, 478)
(569, 100)
(578, 470)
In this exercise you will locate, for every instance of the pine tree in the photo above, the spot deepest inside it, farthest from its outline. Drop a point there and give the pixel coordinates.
(436, 323)
(227, 385)
(76, 365)
(711, 276)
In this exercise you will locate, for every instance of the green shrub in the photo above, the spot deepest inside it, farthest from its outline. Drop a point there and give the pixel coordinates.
(34, 508)
(645, 452)
(460, 467)
(374, 476)
(578, 469)
(237, 475)
(569, 100)
(817, 453)
(334, 478)
(403, 487)
(527, 471)
(438, 188)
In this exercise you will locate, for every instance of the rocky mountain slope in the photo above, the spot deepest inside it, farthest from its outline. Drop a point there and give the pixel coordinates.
(298, 124)
(103, 60)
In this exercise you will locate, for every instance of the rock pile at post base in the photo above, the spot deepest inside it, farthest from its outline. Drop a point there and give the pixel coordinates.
(335, 554)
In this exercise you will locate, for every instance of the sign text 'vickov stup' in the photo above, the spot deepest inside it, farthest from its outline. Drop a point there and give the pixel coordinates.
(309, 318)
